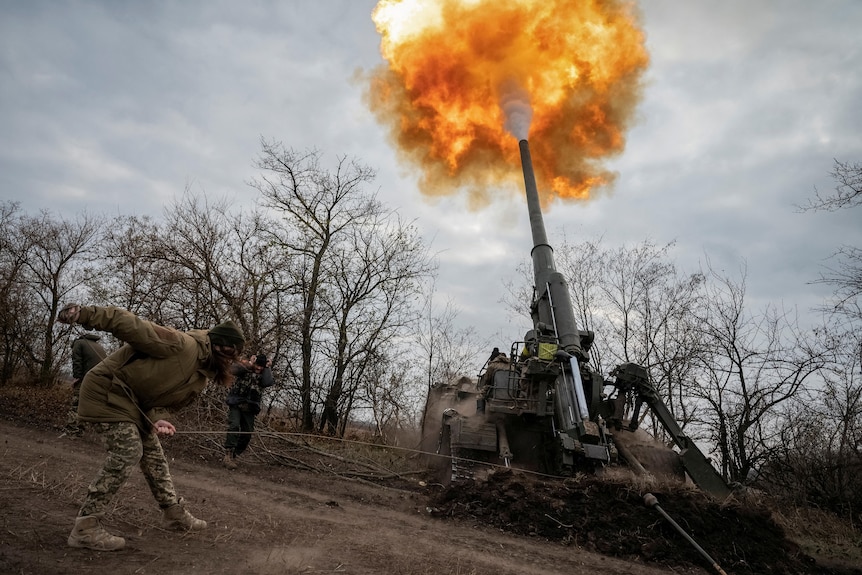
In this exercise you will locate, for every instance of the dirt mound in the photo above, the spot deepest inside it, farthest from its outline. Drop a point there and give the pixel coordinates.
(609, 517)
(654, 457)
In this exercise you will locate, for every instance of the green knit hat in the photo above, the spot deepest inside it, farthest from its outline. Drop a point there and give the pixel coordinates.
(227, 333)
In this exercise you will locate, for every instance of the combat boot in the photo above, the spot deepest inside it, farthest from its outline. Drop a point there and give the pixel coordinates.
(229, 461)
(89, 533)
(177, 518)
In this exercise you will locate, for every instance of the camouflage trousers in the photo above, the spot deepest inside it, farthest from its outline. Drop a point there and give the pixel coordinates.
(127, 446)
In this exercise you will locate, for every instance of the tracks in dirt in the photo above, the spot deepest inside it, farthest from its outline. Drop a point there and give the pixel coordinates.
(263, 519)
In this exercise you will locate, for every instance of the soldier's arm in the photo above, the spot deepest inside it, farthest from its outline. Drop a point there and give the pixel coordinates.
(266, 379)
(144, 336)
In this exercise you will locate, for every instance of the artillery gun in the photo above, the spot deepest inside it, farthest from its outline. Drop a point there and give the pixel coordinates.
(542, 407)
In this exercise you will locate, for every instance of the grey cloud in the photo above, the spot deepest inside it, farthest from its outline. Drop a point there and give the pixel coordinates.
(119, 105)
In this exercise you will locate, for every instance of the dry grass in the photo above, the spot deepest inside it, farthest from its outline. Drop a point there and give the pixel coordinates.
(823, 535)
(38, 406)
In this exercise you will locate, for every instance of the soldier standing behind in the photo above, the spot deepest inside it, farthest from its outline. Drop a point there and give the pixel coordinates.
(127, 396)
(243, 400)
(86, 354)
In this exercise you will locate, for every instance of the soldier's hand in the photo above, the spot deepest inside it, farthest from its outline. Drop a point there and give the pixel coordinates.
(69, 314)
(164, 428)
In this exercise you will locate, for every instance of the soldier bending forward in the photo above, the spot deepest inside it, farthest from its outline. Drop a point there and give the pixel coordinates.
(126, 397)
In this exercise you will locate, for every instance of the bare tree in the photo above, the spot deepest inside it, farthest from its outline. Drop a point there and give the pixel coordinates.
(319, 209)
(819, 457)
(820, 453)
(641, 309)
(390, 388)
(136, 276)
(848, 189)
(200, 248)
(222, 266)
(845, 275)
(375, 275)
(755, 364)
(18, 313)
(448, 351)
(58, 261)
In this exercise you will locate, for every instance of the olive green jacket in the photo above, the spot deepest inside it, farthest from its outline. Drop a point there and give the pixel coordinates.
(158, 369)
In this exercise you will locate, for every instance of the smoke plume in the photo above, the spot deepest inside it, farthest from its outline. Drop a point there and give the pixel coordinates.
(515, 103)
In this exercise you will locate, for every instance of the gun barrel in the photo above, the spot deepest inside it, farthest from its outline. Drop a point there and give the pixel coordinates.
(543, 253)
(555, 306)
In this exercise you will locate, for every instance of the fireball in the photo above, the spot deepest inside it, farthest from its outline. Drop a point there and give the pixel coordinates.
(464, 80)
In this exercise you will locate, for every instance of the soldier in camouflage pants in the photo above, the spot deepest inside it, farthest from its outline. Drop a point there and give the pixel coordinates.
(126, 446)
(128, 397)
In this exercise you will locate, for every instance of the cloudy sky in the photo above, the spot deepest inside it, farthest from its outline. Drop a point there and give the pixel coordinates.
(117, 106)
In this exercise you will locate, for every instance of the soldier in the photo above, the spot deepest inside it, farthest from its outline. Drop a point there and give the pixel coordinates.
(86, 353)
(126, 397)
(496, 362)
(243, 400)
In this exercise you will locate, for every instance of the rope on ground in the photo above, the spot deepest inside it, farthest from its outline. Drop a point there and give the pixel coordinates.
(283, 459)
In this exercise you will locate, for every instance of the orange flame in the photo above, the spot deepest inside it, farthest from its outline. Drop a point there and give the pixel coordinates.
(567, 73)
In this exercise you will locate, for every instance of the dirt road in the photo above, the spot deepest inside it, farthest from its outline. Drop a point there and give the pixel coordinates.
(262, 519)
